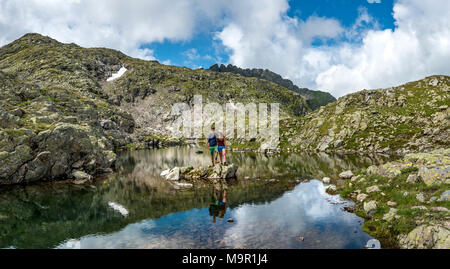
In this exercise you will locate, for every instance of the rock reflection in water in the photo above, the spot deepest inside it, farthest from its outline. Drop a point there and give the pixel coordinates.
(306, 211)
(49, 215)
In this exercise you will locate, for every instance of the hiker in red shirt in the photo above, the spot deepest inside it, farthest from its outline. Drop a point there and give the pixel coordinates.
(222, 149)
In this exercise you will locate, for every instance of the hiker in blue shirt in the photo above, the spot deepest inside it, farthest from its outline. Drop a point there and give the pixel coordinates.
(212, 144)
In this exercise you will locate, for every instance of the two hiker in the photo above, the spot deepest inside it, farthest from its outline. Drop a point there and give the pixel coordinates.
(216, 143)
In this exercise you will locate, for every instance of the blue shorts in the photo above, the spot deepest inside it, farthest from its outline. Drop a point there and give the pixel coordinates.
(221, 148)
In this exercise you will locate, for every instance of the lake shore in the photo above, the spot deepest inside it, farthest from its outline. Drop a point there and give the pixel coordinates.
(405, 203)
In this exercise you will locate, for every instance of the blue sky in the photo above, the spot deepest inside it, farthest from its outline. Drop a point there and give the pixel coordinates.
(338, 46)
(203, 50)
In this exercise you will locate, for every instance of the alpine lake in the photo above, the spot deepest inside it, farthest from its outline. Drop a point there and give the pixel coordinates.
(277, 201)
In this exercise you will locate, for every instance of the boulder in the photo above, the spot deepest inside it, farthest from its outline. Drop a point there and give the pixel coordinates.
(412, 178)
(429, 236)
(80, 175)
(434, 175)
(370, 207)
(346, 174)
(445, 196)
(339, 143)
(420, 197)
(331, 189)
(373, 169)
(172, 175)
(229, 171)
(390, 215)
(108, 124)
(390, 170)
(188, 173)
(10, 163)
(374, 188)
(326, 180)
(8, 120)
(389, 203)
(39, 167)
(165, 172)
(361, 197)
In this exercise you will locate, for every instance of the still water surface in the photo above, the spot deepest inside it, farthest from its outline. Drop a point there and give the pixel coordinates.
(275, 200)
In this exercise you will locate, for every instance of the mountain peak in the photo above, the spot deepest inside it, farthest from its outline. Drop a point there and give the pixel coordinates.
(36, 38)
(315, 99)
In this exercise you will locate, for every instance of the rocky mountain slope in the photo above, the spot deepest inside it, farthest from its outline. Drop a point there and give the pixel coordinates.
(60, 115)
(413, 117)
(315, 99)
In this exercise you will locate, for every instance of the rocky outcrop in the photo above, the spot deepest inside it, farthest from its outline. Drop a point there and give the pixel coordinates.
(432, 168)
(54, 154)
(54, 122)
(406, 199)
(431, 236)
(209, 173)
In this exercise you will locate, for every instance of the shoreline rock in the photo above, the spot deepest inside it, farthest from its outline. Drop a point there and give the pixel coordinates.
(395, 190)
(206, 173)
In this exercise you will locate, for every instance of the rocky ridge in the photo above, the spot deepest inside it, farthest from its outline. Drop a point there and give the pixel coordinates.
(315, 99)
(414, 117)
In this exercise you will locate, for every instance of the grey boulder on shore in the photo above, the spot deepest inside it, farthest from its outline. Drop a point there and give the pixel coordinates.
(190, 173)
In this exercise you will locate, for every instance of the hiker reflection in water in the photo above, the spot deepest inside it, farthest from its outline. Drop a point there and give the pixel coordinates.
(218, 205)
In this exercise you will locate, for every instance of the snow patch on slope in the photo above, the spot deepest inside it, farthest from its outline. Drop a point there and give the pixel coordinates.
(118, 74)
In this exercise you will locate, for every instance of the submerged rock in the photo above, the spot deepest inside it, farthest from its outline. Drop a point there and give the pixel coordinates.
(182, 185)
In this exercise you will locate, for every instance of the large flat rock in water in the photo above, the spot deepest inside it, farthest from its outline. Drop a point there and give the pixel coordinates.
(211, 172)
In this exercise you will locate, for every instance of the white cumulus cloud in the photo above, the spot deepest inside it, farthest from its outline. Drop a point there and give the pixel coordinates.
(123, 25)
(255, 34)
(268, 38)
